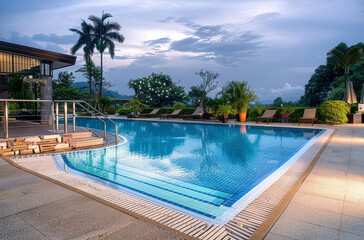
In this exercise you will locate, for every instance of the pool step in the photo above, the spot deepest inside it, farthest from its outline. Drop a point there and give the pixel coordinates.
(186, 195)
(87, 142)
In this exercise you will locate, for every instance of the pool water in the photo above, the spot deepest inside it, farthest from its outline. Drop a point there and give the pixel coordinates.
(201, 168)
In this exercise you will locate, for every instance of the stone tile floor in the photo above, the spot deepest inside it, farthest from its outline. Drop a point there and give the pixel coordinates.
(33, 208)
(330, 202)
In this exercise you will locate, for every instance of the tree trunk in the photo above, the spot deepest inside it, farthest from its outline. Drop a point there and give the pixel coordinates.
(89, 86)
(101, 80)
(201, 103)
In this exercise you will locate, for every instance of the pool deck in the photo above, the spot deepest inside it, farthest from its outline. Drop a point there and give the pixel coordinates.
(330, 202)
(328, 205)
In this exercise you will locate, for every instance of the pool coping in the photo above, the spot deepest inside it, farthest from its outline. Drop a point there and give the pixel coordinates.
(243, 225)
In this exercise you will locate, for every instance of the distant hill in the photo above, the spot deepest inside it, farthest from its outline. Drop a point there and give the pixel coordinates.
(83, 86)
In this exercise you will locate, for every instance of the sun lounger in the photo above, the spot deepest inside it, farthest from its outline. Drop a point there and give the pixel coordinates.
(268, 116)
(173, 114)
(195, 114)
(151, 114)
(309, 116)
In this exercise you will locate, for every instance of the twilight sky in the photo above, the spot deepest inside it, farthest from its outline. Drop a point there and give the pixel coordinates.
(275, 45)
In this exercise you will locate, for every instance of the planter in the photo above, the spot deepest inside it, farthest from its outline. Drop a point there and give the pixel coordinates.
(224, 119)
(242, 116)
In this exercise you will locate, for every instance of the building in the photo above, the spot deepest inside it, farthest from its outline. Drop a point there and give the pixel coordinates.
(35, 66)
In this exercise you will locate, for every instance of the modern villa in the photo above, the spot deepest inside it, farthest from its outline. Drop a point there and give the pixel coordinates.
(171, 175)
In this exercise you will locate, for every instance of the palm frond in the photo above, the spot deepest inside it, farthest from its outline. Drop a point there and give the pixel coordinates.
(115, 36)
(111, 47)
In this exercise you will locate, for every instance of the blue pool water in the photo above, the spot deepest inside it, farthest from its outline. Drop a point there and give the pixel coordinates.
(202, 168)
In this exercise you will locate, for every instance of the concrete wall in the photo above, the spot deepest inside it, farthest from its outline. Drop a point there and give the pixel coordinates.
(46, 94)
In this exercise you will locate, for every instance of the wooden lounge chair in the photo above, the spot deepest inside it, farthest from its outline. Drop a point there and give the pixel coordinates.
(195, 114)
(151, 114)
(174, 114)
(268, 115)
(309, 116)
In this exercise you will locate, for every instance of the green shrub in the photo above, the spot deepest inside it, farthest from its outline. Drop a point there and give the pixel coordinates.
(333, 111)
(294, 113)
(124, 111)
(178, 106)
(253, 113)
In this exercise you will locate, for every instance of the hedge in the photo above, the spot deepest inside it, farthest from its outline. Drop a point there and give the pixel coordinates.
(126, 111)
(294, 113)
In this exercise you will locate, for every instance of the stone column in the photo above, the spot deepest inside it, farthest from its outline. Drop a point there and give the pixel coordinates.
(46, 94)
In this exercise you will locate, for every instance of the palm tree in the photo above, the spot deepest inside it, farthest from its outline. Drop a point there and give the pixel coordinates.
(348, 58)
(85, 41)
(88, 70)
(239, 95)
(103, 36)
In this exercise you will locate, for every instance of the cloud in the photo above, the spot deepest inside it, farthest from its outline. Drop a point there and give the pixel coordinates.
(56, 39)
(287, 93)
(217, 42)
(25, 40)
(264, 16)
(157, 41)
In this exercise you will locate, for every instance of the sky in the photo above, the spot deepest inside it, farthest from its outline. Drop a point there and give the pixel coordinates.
(274, 45)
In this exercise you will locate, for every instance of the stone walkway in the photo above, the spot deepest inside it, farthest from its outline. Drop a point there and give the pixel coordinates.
(330, 202)
(33, 208)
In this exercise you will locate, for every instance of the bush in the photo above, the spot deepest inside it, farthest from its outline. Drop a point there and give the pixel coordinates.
(333, 111)
(178, 106)
(294, 113)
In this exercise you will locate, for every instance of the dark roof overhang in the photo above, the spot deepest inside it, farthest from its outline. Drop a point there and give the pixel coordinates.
(59, 60)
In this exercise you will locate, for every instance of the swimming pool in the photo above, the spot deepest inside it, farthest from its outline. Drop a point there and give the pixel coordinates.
(208, 171)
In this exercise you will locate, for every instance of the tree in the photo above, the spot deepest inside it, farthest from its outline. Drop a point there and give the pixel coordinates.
(345, 59)
(207, 85)
(278, 102)
(195, 95)
(157, 90)
(103, 36)
(63, 90)
(85, 41)
(319, 86)
(92, 73)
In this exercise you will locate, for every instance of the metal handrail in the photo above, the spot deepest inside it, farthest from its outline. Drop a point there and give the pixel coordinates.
(95, 117)
(116, 126)
(79, 102)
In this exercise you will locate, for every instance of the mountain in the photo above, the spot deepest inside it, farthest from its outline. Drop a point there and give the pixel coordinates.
(83, 86)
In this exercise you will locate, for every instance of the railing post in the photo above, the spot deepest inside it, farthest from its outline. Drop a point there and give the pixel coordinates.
(74, 116)
(57, 116)
(6, 120)
(65, 118)
(52, 117)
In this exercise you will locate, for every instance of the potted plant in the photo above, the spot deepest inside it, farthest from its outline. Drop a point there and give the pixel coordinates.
(240, 95)
(223, 112)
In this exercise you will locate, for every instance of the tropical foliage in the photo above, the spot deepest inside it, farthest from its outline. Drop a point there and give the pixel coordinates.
(135, 105)
(17, 89)
(328, 81)
(63, 90)
(239, 94)
(178, 106)
(223, 112)
(157, 90)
